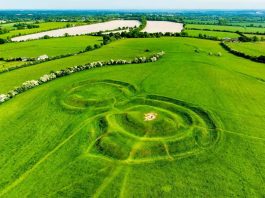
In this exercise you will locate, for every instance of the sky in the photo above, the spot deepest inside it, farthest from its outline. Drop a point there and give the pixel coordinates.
(132, 4)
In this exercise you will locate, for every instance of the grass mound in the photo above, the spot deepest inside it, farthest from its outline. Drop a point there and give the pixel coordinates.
(123, 133)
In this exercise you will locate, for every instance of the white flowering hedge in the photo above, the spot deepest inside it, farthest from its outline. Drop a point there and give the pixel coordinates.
(57, 74)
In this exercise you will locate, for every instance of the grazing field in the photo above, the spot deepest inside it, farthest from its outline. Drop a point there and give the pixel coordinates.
(51, 47)
(252, 35)
(219, 35)
(250, 48)
(43, 27)
(5, 65)
(14, 78)
(162, 26)
(85, 29)
(191, 124)
(226, 28)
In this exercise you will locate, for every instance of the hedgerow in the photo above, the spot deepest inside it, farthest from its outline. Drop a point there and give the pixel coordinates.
(57, 74)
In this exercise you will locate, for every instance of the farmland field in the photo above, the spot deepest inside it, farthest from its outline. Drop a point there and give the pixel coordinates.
(252, 35)
(43, 27)
(219, 35)
(191, 124)
(227, 28)
(162, 26)
(5, 65)
(250, 48)
(79, 30)
(51, 47)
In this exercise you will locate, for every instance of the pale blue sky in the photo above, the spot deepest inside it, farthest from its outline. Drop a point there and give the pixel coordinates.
(132, 4)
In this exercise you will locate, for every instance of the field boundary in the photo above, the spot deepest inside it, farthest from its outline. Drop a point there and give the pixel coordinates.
(259, 59)
(57, 74)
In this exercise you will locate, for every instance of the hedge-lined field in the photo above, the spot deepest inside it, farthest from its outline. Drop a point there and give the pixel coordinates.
(226, 28)
(50, 47)
(249, 48)
(219, 35)
(86, 134)
(4, 65)
(259, 36)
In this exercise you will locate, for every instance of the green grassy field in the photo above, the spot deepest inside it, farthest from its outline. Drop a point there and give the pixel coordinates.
(219, 35)
(51, 47)
(244, 24)
(5, 65)
(86, 135)
(43, 27)
(250, 48)
(8, 26)
(252, 35)
(228, 28)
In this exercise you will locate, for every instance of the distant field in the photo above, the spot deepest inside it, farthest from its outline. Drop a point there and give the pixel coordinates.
(228, 28)
(86, 135)
(85, 29)
(43, 27)
(162, 26)
(219, 35)
(8, 26)
(244, 24)
(253, 49)
(51, 47)
(252, 35)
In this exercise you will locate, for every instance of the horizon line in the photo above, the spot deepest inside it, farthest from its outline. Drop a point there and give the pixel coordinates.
(133, 9)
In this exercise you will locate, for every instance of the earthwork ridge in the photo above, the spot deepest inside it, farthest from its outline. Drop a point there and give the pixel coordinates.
(129, 127)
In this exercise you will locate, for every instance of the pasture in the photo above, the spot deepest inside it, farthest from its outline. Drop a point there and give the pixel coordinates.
(51, 47)
(250, 48)
(5, 65)
(219, 35)
(252, 35)
(227, 28)
(87, 134)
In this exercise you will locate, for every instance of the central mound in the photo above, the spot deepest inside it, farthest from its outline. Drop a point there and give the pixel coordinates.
(161, 123)
(138, 128)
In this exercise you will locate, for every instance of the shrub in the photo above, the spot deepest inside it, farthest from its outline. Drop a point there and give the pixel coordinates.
(153, 59)
(89, 48)
(2, 41)
(3, 98)
(47, 77)
(46, 37)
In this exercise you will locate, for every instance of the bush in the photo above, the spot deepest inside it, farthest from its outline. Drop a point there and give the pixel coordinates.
(46, 37)
(89, 48)
(2, 41)
(3, 98)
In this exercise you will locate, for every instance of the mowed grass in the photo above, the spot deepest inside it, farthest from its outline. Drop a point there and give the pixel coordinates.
(50, 47)
(228, 28)
(250, 48)
(219, 35)
(50, 149)
(43, 27)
